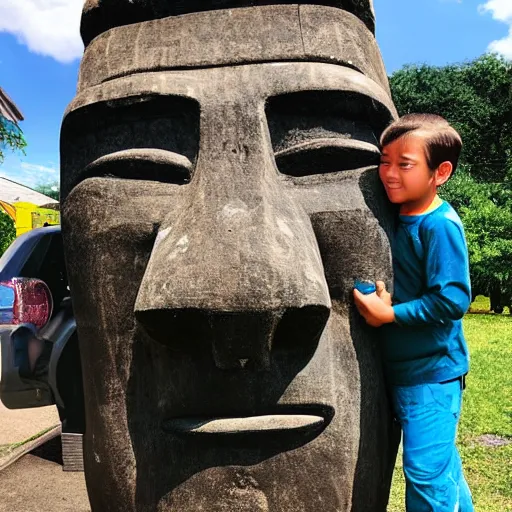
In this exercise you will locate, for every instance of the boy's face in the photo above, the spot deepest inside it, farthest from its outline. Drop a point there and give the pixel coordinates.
(405, 173)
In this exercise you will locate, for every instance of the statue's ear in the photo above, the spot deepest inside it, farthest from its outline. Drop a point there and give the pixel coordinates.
(443, 173)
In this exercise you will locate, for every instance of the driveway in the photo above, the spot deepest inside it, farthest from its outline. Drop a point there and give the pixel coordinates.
(36, 482)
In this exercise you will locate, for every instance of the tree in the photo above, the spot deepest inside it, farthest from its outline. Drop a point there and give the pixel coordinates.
(11, 137)
(486, 211)
(51, 189)
(476, 97)
(7, 232)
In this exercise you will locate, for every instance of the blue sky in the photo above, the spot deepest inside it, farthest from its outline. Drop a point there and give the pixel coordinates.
(40, 51)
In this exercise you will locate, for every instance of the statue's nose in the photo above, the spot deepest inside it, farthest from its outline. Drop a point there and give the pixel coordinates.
(240, 280)
(240, 298)
(248, 340)
(241, 340)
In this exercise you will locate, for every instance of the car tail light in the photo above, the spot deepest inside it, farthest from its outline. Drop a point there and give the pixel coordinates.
(25, 301)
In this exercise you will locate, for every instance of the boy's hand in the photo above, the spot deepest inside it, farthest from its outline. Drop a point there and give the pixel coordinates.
(384, 295)
(375, 310)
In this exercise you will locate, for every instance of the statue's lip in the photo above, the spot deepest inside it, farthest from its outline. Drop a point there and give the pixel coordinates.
(267, 423)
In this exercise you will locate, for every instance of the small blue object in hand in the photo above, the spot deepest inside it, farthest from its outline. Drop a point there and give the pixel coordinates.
(365, 287)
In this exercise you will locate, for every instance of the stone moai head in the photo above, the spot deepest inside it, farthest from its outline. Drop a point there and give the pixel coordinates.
(220, 196)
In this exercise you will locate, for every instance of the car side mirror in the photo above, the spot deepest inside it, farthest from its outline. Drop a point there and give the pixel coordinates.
(25, 301)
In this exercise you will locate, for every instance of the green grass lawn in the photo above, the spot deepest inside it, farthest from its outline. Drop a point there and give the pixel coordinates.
(487, 409)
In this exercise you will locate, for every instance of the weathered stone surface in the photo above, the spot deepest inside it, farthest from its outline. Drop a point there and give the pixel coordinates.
(271, 33)
(101, 15)
(215, 219)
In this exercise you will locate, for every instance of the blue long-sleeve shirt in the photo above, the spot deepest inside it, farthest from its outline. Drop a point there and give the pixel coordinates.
(431, 294)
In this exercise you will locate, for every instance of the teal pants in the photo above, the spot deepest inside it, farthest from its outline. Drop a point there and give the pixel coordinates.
(429, 414)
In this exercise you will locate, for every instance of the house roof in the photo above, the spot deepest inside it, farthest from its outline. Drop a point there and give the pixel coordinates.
(8, 109)
(12, 192)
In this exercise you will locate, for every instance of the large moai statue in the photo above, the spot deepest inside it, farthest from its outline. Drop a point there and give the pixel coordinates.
(220, 196)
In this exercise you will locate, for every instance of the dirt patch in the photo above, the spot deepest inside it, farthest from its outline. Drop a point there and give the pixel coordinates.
(493, 441)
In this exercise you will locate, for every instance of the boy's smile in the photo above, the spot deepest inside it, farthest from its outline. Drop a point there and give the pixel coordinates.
(406, 176)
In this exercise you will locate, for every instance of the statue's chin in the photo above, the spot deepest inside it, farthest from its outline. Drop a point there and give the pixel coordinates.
(240, 495)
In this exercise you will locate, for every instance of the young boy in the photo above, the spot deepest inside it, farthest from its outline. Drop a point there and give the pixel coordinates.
(425, 352)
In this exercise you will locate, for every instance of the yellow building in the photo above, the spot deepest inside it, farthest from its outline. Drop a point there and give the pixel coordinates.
(28, 208)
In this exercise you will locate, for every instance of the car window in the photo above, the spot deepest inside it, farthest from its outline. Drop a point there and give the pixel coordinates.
(35, 261)
(47, 263)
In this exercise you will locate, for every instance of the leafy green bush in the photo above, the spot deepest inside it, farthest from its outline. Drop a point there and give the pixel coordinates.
(7, 232)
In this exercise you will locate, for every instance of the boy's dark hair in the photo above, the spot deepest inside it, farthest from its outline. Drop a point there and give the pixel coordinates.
(442, 142)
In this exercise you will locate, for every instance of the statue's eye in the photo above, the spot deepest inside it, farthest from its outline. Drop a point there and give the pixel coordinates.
(142, 137)
(142, 164)
(328, 155)
(319, 132)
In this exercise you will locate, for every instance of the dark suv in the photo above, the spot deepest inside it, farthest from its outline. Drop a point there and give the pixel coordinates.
(39, 345)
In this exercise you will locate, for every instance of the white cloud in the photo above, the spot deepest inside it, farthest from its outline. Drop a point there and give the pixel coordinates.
(37, 168)
(47, 27)
(27, 173)
(501, 10)
(16, 176)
